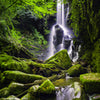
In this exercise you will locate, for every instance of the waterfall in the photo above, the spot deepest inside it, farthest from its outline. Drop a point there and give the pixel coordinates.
(61, 36)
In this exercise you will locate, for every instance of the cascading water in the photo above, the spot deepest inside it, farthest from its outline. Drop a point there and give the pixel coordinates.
(61, 36)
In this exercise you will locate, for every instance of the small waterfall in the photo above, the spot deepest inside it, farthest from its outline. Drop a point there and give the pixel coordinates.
(60, 36)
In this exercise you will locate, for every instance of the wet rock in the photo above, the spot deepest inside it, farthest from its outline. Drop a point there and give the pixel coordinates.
(67, 42)
(58, 36)
(71, 92)
(91, 82)
(76, 70)
(60, 59)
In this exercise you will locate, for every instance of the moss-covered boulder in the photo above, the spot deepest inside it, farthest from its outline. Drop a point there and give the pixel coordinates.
(60, 59)
(46, 88)
(28, 96)
(19, 77)
(12, 97)
(16, 88)
(76, 70)
(16, 65)
(33, 90)
(8, 62)
(91, 82)
(43, 69)
(4, 92)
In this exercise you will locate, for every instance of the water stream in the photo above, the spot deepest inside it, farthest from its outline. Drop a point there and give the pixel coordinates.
(61, 36)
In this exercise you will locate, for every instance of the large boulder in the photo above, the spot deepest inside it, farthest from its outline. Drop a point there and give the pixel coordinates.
(20, 77)
(60, 59)
(16, 65)
(91, 82)
(43, 92)
(76, 70)
(67, 41)
(46, 88)
(58, 37)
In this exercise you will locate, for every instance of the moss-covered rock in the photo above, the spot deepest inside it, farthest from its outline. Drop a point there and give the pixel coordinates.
(76, 70)
(28, 96)
(60, 59)
(4, 92)
(20, 77)
(16, 88)
(33, 90)
(12, 97)
(46, 88)
(16, 65)
(8, 62)
(91, 82)
(43, 69)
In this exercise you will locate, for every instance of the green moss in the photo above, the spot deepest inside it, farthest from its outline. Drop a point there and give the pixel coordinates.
(4, 58)
(33, 90)
(60, 59)
(96, 57)
(17, 66)
(47, 88)
(4, 92)
(76, 70)
(43, 69)
(16, 88)
(12, 97)
(91, 82)
(28, 96)
(35, 64)
(20, 77)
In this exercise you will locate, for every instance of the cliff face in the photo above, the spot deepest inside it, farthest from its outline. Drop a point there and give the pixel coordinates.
(85, 22)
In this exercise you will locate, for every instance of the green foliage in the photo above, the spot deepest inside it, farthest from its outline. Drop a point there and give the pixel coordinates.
(35, 42)
(85, 19)
(85, 23)
(12, 9)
